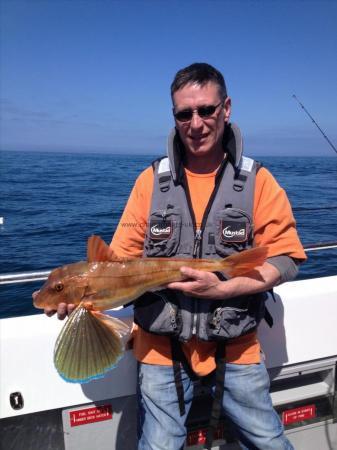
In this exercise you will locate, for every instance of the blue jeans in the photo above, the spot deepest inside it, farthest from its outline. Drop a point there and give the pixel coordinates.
(246, 403)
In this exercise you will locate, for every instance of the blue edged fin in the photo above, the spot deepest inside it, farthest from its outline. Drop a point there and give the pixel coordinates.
(90, 344)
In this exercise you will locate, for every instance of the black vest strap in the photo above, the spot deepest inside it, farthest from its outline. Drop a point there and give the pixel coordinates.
(268, 318)
(220, 359)
(178, 359)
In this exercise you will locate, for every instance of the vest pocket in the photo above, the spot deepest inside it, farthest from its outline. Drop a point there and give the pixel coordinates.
(155, 313)
(231, 321)
(233, 231)
(163, 232)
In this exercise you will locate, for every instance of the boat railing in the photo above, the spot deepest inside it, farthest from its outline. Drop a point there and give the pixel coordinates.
(24, 277)
(27, 277)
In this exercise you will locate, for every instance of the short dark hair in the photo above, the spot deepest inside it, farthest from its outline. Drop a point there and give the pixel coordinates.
(199, 73)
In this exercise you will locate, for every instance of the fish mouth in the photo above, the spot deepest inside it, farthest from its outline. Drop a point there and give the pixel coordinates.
(37, 299)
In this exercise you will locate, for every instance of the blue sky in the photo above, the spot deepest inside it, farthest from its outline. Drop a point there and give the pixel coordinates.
(95, 75)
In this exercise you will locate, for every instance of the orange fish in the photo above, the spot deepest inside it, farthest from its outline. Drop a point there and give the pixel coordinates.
(90, 343)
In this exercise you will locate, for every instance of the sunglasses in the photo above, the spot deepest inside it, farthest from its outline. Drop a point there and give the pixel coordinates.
(203, 111)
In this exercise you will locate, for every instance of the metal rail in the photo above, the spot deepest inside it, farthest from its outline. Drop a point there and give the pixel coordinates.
(319, 246)
(27, 277)
(24, 277)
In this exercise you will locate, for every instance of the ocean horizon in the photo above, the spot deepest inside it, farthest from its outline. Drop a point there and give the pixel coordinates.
(255, 155)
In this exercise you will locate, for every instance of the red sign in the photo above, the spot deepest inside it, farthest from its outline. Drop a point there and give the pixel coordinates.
(196, 437)
(298, 414)
(199, 436)
(90, 415)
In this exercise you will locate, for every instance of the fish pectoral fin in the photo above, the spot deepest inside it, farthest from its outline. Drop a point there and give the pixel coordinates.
(87, 346)
(123, 328)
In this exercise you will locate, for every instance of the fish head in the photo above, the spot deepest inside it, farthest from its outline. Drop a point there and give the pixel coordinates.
(66, 284)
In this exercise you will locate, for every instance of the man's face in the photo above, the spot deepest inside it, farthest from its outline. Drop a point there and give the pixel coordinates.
(201, 136)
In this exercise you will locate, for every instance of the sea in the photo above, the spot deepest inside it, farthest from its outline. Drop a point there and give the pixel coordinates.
(52, 202)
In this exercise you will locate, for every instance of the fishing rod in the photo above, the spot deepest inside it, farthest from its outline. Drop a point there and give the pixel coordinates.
(313, 120)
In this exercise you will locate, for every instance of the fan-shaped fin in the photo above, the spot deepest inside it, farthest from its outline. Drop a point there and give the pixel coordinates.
(89, 345)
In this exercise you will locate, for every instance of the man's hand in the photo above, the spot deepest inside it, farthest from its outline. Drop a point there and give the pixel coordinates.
(207, 285)
(199, 284)
(63, 310)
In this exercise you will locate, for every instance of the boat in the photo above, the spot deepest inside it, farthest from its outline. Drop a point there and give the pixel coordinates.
(40, 411)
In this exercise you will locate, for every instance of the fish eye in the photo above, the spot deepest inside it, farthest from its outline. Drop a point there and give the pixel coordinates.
(58, 287)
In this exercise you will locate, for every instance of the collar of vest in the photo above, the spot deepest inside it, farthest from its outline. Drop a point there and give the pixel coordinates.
(232, 144)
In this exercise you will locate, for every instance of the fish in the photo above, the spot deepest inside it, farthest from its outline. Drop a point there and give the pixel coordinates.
(92, 343)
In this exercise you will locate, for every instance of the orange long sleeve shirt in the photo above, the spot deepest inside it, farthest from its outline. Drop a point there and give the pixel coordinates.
(274, 227)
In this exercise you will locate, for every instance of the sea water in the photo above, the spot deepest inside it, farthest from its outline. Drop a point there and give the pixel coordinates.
(52, 202)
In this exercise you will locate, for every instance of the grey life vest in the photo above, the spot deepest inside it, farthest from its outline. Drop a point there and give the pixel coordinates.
(227, 227)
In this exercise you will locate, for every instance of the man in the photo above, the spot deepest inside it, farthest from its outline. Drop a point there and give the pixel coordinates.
(199, 152)
(206, 200)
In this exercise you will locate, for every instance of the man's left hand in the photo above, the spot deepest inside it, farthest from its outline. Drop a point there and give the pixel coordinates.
(199, 284)
(207, 285)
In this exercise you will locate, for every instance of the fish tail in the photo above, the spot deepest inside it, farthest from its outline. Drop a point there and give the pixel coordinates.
(90, 344)
(244, 262)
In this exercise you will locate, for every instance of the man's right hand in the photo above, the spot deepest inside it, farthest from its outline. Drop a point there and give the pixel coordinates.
(63, 310)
